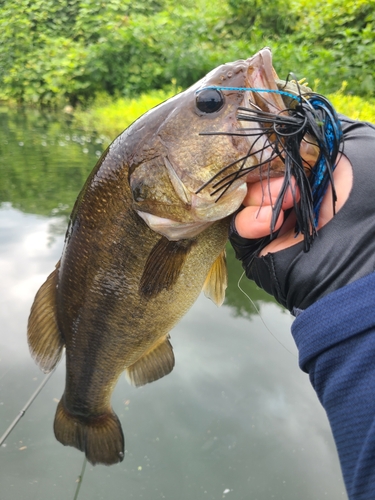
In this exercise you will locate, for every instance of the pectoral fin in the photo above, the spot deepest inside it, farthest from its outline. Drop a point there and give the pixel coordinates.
(45, 340)
(163, 266)
(154, 364)
(217, 280)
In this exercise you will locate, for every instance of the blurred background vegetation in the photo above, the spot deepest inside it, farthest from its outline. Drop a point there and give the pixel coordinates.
(118, 58)
(57, 52)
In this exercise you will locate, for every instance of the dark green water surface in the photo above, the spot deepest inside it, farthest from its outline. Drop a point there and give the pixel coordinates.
(236, 419)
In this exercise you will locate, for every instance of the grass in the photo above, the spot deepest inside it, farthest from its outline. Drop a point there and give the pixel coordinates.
(110, 117)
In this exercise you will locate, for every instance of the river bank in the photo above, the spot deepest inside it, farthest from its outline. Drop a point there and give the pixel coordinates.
(109, 117)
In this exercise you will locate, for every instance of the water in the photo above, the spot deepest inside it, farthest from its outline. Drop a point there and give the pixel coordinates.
(236, 419)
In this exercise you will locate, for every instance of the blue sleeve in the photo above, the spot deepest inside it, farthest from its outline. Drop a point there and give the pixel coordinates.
(336, 342)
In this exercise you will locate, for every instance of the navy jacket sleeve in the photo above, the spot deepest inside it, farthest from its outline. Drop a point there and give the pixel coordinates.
(336, 342)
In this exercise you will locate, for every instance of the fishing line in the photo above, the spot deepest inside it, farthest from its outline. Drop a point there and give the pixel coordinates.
(26, 407)
(261, 317)
(22, 413)
(251, 89)
(80, 478)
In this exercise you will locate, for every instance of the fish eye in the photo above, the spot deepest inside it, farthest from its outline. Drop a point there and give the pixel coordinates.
(209, 100)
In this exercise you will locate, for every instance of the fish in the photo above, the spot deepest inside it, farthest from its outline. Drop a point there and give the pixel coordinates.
(145, 237)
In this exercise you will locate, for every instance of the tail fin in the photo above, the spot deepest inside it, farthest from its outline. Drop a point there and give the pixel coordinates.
(101, 438)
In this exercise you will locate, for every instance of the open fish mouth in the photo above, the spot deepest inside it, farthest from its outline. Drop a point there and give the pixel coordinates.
(265, 119)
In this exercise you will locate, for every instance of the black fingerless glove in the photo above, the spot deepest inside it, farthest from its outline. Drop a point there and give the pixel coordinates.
(344, 249)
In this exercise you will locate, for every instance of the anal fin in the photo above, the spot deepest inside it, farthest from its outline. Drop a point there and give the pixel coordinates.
(45, 340)
(217, 280)
(154, 364)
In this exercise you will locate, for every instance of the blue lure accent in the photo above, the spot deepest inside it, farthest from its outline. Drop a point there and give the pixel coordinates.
(327, 141)
(245, 89)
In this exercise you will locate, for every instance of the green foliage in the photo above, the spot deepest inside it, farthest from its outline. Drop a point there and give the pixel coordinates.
(335, 41)
(42, 61)
(60, 51)
(147, 52)
(270, 16)
(50, 47)
(67, 51)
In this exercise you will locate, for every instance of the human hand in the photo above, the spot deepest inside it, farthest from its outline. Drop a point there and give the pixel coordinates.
(254, 221)
(294, 277)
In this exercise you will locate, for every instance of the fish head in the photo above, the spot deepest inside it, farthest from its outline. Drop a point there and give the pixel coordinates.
(193, 156)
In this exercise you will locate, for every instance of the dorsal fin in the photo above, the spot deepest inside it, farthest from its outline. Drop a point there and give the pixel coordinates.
(45, 340)
(217, 280)
(163, 266)
(154, 364)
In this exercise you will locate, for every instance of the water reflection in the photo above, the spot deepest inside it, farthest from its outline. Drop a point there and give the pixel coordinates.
(44, 162)
(235, 419)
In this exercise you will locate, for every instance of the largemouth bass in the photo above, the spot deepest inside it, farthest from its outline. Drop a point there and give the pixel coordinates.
(144, 238)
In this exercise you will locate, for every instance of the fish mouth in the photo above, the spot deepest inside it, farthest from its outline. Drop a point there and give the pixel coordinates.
(263, 158)
(265, 149)
(172, 229)
(269, 111)
(261, 153)
(262, 75)
(205, 213)
(258, 105)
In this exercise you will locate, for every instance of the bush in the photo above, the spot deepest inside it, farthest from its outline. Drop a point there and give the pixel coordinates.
(67, 51)
(337, 41)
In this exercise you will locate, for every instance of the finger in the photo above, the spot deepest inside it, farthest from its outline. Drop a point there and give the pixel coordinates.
(267, 192)
(255, 222)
